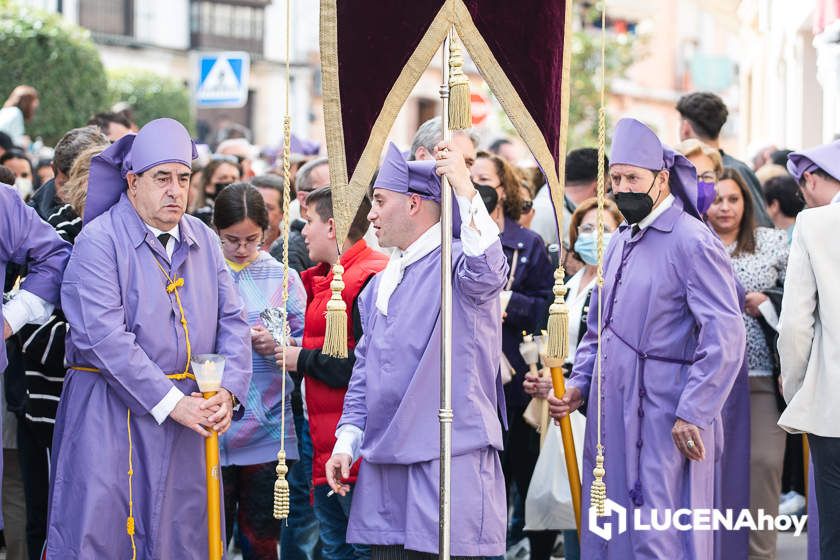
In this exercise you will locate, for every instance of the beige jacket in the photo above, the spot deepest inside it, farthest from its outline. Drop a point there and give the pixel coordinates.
(809, 325)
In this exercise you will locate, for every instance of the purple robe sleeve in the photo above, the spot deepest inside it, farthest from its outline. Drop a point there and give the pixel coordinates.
(92, 303)
(233, 340)
(481, 278)
(355, 401)
(31, 241)
(713, 302)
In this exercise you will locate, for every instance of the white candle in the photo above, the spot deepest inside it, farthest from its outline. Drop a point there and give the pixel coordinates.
(209, 379)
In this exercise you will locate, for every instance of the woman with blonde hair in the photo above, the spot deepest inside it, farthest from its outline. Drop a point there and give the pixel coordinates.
(709, 165)
(74, 192)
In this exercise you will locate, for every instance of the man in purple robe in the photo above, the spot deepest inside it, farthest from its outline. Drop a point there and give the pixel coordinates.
(672, 345)
(25, 239)
(145, 290)
(390, 411)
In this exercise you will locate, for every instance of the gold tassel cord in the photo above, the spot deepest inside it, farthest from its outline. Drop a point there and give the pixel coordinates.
(281, 488)
(281, 485)
(598, 490)
(460, 109)
(557, 343)
(335, 339)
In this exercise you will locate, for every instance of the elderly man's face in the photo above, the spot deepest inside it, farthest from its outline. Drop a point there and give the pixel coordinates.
(460, 141)
(629, 178)
(274, 205)
(160, 194)
(463, 143)
(318, 177)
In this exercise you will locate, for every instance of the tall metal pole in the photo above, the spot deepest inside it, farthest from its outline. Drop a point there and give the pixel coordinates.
(445, 413)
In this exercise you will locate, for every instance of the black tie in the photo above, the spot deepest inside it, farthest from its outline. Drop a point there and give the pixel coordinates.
(164, 239)
(636, 229)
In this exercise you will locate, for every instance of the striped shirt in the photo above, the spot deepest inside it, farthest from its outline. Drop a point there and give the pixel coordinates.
(255, 438)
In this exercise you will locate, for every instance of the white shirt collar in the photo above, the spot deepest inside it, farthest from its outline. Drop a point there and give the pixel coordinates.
(174, 232)
(656, 212)
(400, 260)
(170, 245)
(836, 198)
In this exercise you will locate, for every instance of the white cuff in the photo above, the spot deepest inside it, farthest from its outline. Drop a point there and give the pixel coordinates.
(25, 307)
(348, 440)
(164, 408)
(474, 212)
(768, 311)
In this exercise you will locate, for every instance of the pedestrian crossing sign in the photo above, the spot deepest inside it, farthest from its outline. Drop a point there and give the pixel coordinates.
(222, 79)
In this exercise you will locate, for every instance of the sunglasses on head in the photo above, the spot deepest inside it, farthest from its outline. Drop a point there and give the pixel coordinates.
(230, 158)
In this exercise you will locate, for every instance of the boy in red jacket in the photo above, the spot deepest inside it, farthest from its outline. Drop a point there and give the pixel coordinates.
(326, 378)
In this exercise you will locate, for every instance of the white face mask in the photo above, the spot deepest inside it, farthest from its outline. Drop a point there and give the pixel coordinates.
(24, 187)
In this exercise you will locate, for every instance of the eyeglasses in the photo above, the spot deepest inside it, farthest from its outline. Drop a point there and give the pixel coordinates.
(708, 177)
(248, 245)
(593, 228)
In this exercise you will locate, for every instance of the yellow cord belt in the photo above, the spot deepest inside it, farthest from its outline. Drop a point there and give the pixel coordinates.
(171, 288)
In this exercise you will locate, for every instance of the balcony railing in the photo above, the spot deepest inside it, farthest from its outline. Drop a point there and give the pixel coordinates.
(236, 25)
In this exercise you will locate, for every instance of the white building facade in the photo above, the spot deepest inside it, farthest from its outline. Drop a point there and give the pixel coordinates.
(165, 36)
(790, 79)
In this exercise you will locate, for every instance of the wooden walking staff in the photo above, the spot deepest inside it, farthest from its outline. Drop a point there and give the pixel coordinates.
(557, 344)
(208, 369)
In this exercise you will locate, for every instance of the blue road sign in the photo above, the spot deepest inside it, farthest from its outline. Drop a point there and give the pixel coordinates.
(222, 79)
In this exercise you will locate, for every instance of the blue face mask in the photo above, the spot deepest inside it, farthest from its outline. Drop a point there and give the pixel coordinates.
(706, 195)
(587, 246)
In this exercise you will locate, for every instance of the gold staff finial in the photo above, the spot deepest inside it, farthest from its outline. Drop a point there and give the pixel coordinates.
(460, 110)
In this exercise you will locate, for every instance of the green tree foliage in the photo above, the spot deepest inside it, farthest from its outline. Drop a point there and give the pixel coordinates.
(59, 60)
(151, 95)
(585, 98)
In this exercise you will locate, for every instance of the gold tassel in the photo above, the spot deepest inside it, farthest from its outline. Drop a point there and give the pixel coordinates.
(281, 488)
(335, 339)
(460, 110)
(598, 490)
(557, 345)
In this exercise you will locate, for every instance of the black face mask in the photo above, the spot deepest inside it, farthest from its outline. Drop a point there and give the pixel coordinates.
(488, 195)
(635, 206)
(217, 189)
